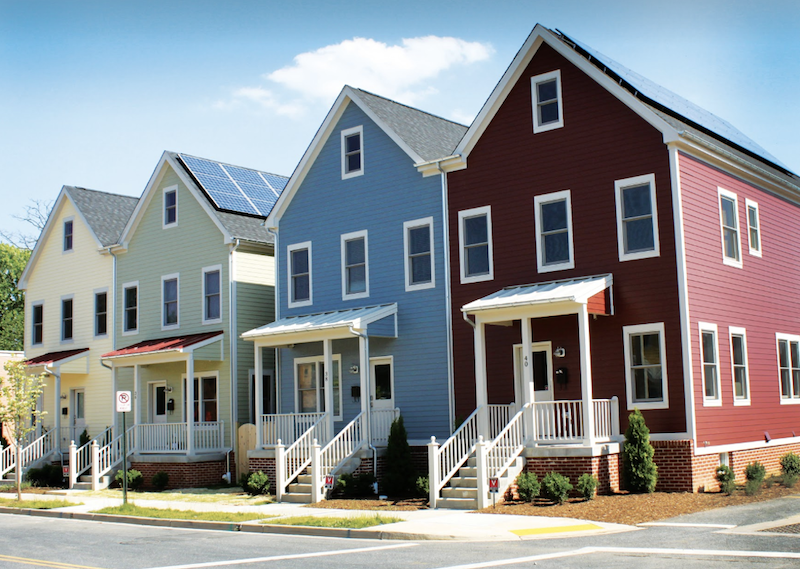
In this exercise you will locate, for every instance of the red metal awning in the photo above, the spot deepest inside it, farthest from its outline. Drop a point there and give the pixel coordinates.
(173, 344)
(55, 358)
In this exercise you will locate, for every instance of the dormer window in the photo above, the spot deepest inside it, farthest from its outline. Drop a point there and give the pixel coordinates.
(352, 152)
(171, 206)
(546, 98)
(68, 227)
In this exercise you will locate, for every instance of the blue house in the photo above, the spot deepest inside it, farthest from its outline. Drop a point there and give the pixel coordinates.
(362, 325)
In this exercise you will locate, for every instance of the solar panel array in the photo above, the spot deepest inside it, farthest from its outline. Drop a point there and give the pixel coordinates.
(236, 189)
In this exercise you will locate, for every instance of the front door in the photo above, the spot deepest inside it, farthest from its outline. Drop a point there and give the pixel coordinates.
(382, 384)
(541, 358)
(158, 402)
(78, 418)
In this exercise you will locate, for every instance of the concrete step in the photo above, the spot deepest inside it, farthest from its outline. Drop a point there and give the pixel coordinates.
(300, 488)
(304, 479)
(297, 498)
(457, 503)
(468, 471)
(470, 493)
(82, 486)
(464, 482)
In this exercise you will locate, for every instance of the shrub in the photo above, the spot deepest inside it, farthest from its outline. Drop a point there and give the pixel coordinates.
(422, 486)
(258, 483)
(160, 481)
(48, 476)
(790, 464)
(243, 481)
(587, 485)
(353, 486)
(399, 477)
(556, 487)
(639, 472)
(84, 438)
(755, 473)
(135, 479)
(528, 486)
(726, 479)
(789, 480)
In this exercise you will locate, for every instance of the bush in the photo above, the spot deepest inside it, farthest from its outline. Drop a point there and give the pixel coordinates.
(356, 486)
(528, 486)
(48, 476)
(84, 438)
(258, 483)
(422, 487)
(755, 473)
(726, 479)
(587, 486)
(135, 479)
(160, 481)
(399, 477)
(243, 481)
(639, 472)
(790, 464)
(789, 480)
(556, 487)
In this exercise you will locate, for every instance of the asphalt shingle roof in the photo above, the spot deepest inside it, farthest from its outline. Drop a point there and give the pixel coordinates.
(105, 213)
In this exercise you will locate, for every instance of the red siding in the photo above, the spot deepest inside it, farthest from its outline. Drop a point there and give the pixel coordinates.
(602, 141)
(763, 297)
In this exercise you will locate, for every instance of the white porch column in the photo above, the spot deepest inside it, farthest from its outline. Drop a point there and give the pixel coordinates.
(327, 379)
(527, 378)
(190, 418)
(363, 353)
(586, 377)
(481, 390)
(257, 393)
(57, 402)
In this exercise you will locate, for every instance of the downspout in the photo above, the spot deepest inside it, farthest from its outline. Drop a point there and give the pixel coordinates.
(234, 370)
(447, 297)
(369, 406)
(277, 310)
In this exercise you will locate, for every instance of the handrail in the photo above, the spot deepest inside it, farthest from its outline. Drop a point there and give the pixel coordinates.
(111, 453)
(298, 456)
(507, 446)
(285, 426)
(84, 454)
(342, 446)
(8, 459)
(456, 450)
(39, 448)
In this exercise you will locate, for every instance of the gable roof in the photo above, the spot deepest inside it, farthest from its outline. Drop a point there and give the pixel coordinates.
(422, 136)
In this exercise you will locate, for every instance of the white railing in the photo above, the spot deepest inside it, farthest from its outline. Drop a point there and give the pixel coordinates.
(40, 447)
(8, 458)
(110, 455)
(499, 416)
(341, 447)
(209, 435)
(83, 455)
(606, 419)
(381, 421)
(164, 438)
(454, 452)
(507, 446)
(293, 460)
(286, 427)
(559, 421)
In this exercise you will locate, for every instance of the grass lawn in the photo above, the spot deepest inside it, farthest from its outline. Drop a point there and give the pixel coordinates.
(357, 522)
(229, 495)
(36, 504)
(142, 512)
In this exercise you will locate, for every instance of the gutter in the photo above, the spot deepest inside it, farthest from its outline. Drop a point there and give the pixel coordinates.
(451, 397)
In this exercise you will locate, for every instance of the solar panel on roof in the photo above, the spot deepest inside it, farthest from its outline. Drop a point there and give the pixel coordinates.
(236, 189)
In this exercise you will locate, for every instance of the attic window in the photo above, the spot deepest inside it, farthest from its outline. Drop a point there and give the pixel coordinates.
(171, 206)
(547, 102)
(68, 227)
(352, 152)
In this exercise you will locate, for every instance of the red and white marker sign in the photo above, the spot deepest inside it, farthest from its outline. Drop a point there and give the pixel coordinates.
(493, 488)
(328, 482)
(124, 401)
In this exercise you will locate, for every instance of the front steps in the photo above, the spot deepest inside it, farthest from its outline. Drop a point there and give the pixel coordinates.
(85, 482)
(299, 492)
(461, 493)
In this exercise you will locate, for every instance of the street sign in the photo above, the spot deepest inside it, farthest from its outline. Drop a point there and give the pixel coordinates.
(328, 482)
(65, 470)
(493, 488)
(123, 401)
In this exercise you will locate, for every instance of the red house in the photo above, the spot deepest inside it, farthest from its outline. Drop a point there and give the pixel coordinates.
(614, 246)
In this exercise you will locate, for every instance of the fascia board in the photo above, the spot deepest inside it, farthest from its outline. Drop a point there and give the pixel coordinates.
(144, 201)
(83, 218)
(22, 284)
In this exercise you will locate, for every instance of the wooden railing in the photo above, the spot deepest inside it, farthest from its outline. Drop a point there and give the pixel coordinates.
(606, 419)
(508, 444)
(381, 420)
(562, 421)
(286, 427)
(40, 447)
(160, 438)
(292, 461)
(209, 435)
(110, 455)
(8, 460)
(445, 460)
(83, 455)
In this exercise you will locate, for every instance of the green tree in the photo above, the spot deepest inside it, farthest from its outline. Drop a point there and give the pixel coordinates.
(12, 301)
(19, 393)
(639, 472)
(399, 478)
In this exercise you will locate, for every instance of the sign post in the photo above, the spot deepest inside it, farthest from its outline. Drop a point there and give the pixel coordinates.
(124, 406)
(493, 489)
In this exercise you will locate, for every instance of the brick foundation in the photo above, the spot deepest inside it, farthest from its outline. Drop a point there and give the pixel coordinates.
(267, 466)
(183, 474)
(605, 468)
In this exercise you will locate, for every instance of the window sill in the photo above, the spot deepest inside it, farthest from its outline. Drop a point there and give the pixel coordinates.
(130, 332)
(638, 255)
(558, 267)
(300, 304)
(214, 321)
(355, 174)
(793, 401)
(644, 406)
(712, 402)
(170, 327)
(421, 286)
(741, 402)
(732, 262)
(477, 278)
(355, 296)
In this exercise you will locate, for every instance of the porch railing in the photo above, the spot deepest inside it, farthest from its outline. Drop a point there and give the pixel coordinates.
(8, 457)
(161, 438)
(606, 418)
(40, 448)
(209, 435)
(562, 421)
(83, 454)
(108, 456)
(291, 461)
(286, 427)
(381, 420)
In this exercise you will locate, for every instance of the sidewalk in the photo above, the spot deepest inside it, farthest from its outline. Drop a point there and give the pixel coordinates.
(416, 525)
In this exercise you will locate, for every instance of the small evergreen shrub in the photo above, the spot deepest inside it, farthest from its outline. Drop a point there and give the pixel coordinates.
(789, 480)
(639, 472)
(160, 481)
(84, 438)
(726, 479)
(399, 477)
(258, 483)
(754, 473)
(528, 486)
(422, 486)
(556, 487)
(135, 479)
(47, 476)
(356, 486)
(587, 486)
(790, 464)
(243, 481)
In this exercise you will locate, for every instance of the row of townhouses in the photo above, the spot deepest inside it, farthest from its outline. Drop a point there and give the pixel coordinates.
(591, 244)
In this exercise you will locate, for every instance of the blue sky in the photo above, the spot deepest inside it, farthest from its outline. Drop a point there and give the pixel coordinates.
(93, 92)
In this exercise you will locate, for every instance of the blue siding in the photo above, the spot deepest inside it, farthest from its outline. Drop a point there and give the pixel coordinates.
(390, 192)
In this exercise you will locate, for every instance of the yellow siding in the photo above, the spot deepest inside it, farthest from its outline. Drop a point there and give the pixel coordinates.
(254, 269)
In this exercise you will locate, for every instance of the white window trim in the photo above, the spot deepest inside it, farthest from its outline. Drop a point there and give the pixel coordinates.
(748, 204)
(710, 401)
(789, 338)
(343, 240)
(205, 270)
(415, 224)
(345, 133)
(378, 360)
(620, 185)
(289, 250)
(535, 80)
(33, 323)
(164, 192)
(337, 361)
(126, 286)
(95, 292)
(627, 332)
(198, 375)
(164, 278)
(537, 202)
(61, 320)
(736, 331)
(64, 235)
(462, 215)
(721, 192)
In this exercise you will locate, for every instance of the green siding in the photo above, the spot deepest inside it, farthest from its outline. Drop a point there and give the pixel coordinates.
(255, 307)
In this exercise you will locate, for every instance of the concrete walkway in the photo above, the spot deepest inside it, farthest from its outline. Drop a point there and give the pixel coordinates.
(436, 524)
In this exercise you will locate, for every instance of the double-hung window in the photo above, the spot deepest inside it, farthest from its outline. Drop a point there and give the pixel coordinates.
(37, 319)
(637, 220)
(205, 400)
(741, 387)
(475, 244)
(710, 361)
(66, 318)
(352, 152)
(553, 218)
(729, 226)
(355, 265)
(548, 111)
(789, 367)
(169, 301)
(100, 313)
(753, 228)
(645, 366)
(69, 227)
(130, 305)
(170, 206)
(299, 260)
(212, 294)
(310, 385)
(418, 246)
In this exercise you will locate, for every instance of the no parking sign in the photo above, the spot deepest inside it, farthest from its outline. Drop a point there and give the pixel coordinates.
(123, 401)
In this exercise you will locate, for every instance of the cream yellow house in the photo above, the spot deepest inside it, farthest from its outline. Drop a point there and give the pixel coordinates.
(6, 356)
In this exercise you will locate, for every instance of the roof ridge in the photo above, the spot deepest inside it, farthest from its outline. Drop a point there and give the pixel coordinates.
(229, 164)
(100, 192)
(408, 107)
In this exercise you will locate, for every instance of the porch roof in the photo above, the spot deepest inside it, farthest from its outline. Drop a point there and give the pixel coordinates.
(57, 358)
(570, 292)
(177, 344)
(319, 326)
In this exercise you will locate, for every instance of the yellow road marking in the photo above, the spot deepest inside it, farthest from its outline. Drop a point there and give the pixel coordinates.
(43, 563)
(555, 529)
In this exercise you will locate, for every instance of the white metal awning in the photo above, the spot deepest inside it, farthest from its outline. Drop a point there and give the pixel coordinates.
(333, 325)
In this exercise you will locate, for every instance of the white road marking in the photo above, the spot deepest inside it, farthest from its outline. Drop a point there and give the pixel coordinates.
(283, 557)
(680, 525)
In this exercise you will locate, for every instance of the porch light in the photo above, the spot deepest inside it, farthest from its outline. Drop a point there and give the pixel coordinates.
(63, 396)
(560, 352)
(354, 369)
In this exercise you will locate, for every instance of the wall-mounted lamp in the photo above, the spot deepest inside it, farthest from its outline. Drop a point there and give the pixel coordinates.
(63, 396)
(354, 369)
(560, 352)
(169, 389)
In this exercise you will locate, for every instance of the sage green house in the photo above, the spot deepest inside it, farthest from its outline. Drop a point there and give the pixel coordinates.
(194, 270)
